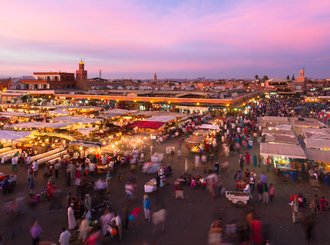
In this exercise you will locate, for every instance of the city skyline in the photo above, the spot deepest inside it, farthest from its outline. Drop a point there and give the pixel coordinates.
(175, 39)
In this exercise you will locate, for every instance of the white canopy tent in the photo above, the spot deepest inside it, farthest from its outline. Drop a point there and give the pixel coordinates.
(7, 135)
(86, 131)
(318, 155)
(164, 119)
(119, 111)
(36, 125)
(10, 114)
(209, 127)
(59, 112)
(317, 138)
(77, 119)
(282, 150)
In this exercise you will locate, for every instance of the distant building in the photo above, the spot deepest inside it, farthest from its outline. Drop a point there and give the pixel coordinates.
(299, 85)
(81, 77)
(31, 84)
(56, 80)
(155, 78)
(287, 86)
(5, 84)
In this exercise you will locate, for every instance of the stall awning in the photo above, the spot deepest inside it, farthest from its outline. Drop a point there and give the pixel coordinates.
(163, 119)
(86, 131)
(194, 139)
(318, 155)
(146, 124)
(284, 150)
(7, 135)
(36, 125)
(76, 119)
(209, 127)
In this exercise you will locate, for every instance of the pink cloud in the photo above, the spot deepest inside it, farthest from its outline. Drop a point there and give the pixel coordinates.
(188, 36)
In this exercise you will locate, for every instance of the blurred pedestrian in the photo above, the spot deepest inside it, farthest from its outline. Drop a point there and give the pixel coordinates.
(117, 221)
(324, 204)
(295, 210)
(159, 219)
(271, 192)
(308, 225)
(247, 158)
(256, 232)
(72, 223)
(84, 229)
(64, 237)
(241, 162)
(265, 194)
(255, 160)
(146, 207)
(35, 232)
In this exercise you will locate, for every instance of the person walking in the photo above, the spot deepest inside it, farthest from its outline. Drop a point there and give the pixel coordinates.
(72, 223)
(57, 169)
(259, 190)
(117, 221)
(35, 232)
(255, 161)
(247, 158)
(241, 162)
(84, 229)
(146, 207)
(265, 194)
(35, 168)
(252, 181)
(324, 204)
(14, 161)
(64, 237)
(295, 210)
(271, 192)
(159, 219)
(105, 221)
(308, 225)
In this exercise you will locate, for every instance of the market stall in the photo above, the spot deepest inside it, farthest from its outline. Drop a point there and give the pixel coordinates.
(320, 157)
(283, 156)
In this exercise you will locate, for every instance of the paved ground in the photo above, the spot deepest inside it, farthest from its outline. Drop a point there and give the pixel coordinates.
(188, 220)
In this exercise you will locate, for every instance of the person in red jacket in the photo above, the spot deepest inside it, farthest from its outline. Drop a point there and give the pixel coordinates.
(247, 158)
(256, 232)
(324, 204)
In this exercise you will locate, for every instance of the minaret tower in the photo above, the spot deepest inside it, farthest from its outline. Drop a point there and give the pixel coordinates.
(81, 74)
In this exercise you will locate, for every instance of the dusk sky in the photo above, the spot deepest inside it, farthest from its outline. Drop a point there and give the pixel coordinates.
(176, 39)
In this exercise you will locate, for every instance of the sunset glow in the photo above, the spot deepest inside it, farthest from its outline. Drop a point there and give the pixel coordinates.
(180, 39)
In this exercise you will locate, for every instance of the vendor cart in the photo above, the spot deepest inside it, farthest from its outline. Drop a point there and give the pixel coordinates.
(150, 167)
(237, 197)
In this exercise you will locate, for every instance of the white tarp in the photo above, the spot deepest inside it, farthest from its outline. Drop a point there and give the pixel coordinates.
(36, 125)
(76, 119)
(285, 150)
(86, 131)
(119, 112)
(10, 114)
(318, 155)
(209, 127)
(164, 119)
(317, 138)
(8, 135)
(59, 112)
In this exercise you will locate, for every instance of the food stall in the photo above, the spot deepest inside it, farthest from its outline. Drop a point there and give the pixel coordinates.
(322, 159)
(284, 157)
